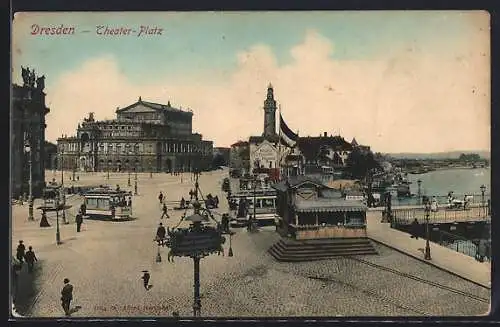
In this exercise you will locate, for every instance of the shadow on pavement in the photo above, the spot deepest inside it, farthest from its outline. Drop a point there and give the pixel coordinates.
(27, 290)
(75, 309)
(105, 218)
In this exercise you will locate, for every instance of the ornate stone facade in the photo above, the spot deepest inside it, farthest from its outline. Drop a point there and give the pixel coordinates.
(28, 128)
(145, 136)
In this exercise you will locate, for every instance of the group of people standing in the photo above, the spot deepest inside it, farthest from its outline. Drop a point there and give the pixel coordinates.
(29, 256)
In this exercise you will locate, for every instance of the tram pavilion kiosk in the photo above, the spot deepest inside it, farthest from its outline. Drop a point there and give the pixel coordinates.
(309, 209)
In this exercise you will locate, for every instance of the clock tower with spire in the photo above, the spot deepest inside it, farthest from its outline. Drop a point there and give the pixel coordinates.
(269, 113)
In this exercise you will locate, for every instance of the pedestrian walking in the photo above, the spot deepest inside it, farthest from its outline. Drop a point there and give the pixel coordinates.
(79, 221)
(434, 204)
(145, 278)
(414, 229)
(164, 211)
(225, 222)
(20, 252)
(83, 208)
(160, 234)
(30, 258)
(66, 296)
(160, 197)
(129, 201)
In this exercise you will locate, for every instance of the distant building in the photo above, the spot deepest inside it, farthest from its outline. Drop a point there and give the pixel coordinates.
(28, 128)
(265, 150)
(324, 151)
(50, 156)
(145, 136)
(239, 157)
(310, 155)
(363, 148)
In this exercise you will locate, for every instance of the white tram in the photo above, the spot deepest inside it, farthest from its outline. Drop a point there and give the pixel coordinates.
(265, 207)
(105, 202)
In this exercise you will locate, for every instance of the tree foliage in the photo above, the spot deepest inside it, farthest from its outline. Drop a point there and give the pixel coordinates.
(359, 163)
(469, 157)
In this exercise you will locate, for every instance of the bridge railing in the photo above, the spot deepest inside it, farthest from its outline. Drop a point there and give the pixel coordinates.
(480, 249)
(407, 215)
(442, 199)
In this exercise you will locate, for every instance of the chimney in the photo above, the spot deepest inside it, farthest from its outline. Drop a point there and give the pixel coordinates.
(325, 134)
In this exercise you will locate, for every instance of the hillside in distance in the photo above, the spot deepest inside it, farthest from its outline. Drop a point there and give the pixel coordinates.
(438, 155)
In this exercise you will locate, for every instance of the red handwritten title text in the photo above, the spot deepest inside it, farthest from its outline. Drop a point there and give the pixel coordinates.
(52, 30)
(144, 30)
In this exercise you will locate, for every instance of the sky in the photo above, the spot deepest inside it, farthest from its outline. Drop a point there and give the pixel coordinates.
(398, 81)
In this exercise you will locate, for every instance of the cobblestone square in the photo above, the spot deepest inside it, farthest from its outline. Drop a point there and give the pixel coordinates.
(104, 263)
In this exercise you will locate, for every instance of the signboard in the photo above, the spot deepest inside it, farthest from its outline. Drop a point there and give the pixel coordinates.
(266, 152)
(186, 243)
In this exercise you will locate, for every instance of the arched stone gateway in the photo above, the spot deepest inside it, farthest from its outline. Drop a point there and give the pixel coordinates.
(102, 166)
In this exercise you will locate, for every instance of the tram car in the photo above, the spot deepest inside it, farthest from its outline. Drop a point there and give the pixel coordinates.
(108, 203)
(265, 208)
(52, 197)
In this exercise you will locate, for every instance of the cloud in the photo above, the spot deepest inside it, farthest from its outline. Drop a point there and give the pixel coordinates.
(411, 100)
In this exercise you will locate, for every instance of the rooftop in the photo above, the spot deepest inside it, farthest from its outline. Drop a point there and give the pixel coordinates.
(328, 205)
(156, 106)
(296, 181)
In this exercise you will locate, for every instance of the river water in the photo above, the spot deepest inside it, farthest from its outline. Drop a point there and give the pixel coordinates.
(460, 181)
(438, 183)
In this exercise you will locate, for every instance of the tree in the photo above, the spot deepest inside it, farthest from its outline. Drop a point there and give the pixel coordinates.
(359, 163)
(218, 161)
(469, 157)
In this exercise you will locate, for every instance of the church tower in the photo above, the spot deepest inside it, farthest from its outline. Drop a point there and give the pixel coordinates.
(269, 113)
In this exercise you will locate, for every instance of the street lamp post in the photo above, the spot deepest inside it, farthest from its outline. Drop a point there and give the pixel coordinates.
(63, 197)
(107, 169)
(150, 169)
(128, 183)
(74, 171)
(483, 189)
(62, 166)
(427, 245)
(58, 234)
(419, 183)
(252, 219)
(27, 149)
(135, 180)
(197, 242)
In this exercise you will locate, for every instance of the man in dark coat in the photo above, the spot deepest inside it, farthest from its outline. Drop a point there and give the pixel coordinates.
(145, 278)
(160, 234)
(83, 208)
(160, 197)
(20, 252)
(225, 222)
(414, 229)
(164, 211)
(30, 258)
(66, 296)
(79, 221)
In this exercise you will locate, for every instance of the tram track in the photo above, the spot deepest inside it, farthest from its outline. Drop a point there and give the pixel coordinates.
(422, 280)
